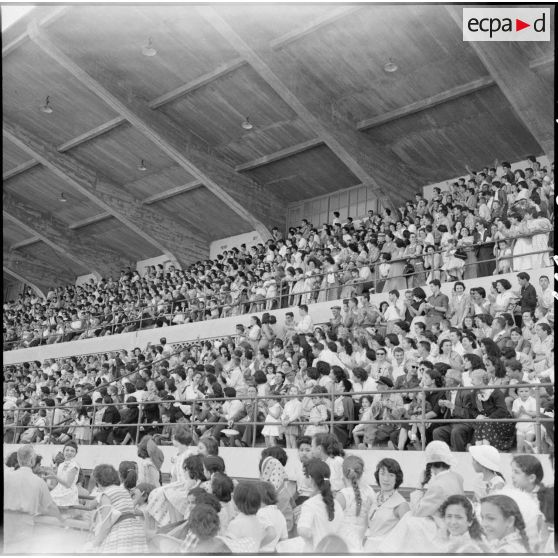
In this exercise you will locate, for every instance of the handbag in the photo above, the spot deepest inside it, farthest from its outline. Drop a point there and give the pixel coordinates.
(461, 254)
(408, 269)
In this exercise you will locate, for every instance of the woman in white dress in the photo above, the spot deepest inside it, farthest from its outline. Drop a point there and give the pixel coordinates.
(540, 228)
(452, 265)
(459, 305)
(297, 287)
(65, 493)
(417, 531)
(330, 284)
(521, 246)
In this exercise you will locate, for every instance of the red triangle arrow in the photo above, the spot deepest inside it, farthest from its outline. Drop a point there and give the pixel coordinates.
(519, 25)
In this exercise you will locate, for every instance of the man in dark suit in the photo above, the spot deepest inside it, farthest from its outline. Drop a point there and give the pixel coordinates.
(528, 300)
(484, 250)
(460, 405)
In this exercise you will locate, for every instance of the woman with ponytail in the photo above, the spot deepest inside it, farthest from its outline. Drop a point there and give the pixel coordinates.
(328, 448)
(321, 515)
(356, 499)
(504, 525)
(128, 472)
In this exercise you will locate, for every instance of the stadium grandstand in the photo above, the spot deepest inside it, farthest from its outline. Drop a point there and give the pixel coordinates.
(277, 279)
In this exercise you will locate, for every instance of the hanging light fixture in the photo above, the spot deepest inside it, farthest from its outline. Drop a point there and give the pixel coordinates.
(45, 107)
(247, 125)
(62, 199)
(391, 67)
(148, 49)
(141, 166)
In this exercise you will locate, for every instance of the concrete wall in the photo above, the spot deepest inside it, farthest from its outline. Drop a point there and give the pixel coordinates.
(243, 462)
(429, 189)
(218, 328)
(250, 239)
(83, 279)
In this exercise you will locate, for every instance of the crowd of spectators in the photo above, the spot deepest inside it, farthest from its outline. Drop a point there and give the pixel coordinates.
(372, 376)
(486, 223)
(413, 340)
(317, 500)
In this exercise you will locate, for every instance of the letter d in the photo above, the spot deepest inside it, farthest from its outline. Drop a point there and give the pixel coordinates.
(541, 20)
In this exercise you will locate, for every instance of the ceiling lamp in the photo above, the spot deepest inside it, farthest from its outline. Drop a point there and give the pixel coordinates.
(62, 199)
(391, 67)
(141, 166)
(46, 108)
(148, 50)
(247, 125)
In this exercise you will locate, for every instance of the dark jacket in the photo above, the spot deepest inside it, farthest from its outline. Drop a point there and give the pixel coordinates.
(494, 407)
(528, 299)
(464, 407)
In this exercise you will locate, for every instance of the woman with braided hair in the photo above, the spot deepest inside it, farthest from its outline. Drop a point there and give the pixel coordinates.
(356, 499)
(503, 525)
(321, 515)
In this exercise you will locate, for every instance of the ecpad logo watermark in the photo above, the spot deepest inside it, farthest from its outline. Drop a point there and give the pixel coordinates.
(506, 24)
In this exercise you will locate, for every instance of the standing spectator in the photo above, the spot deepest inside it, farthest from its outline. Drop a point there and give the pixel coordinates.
(528, 294)
(305, 323)
(484, 251)
(436, 305)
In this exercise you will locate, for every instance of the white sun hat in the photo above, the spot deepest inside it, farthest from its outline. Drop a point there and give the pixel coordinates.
(487, 456)
(439, 451)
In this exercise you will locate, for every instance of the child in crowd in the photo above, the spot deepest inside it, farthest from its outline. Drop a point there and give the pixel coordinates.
(514, 371)
(524, 407)
(418, 429)
(527, 475)
(486, 461)
(328, 448)
(212, 464)
(356, 499)
(246, 528)
(140, 495)
(82, 432)
(462, 533)
(320, 515)
(302, 484)
(317, 416)
(222, 488)
(365, 415)
(273, 431)
(271, 517)
(503, 253)
(291, 413)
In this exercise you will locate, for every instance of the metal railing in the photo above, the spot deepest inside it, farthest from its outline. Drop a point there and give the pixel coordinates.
(282, 299)
(331, 422)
